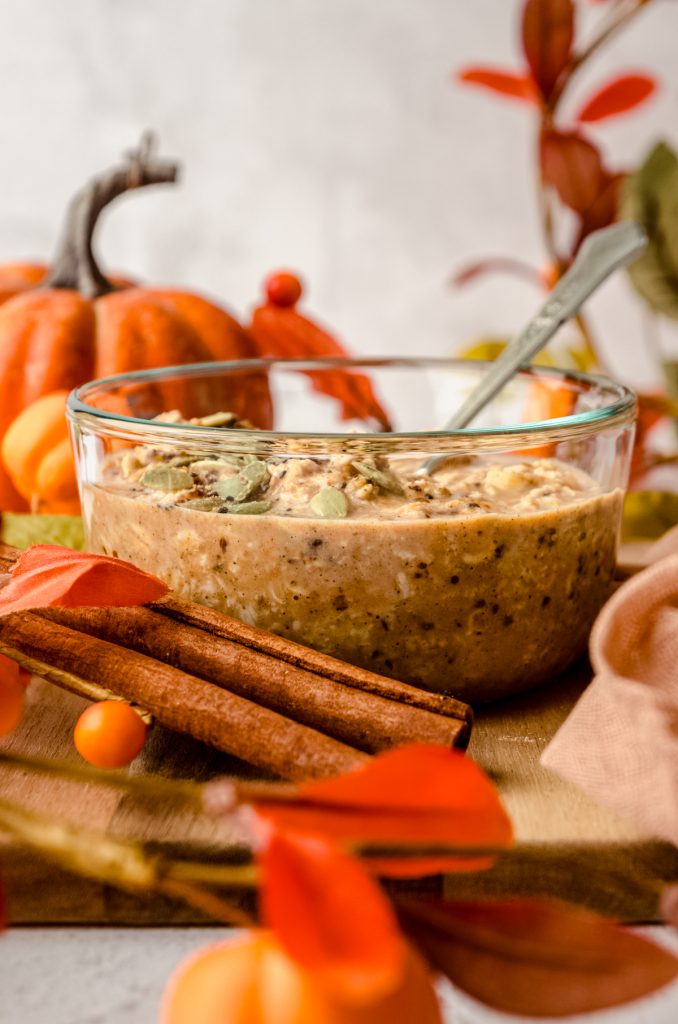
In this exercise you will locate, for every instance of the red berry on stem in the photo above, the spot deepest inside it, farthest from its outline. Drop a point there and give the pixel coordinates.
(283, 288)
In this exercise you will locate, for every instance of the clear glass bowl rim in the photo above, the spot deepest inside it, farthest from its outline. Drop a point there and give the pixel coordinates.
(620, 410)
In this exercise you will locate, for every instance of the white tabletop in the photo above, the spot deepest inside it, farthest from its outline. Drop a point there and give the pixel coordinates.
(116, 976)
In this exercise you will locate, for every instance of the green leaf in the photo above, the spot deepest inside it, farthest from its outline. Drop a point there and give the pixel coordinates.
(21, 530)
(668, 215)
(650, 196)
(649, 514)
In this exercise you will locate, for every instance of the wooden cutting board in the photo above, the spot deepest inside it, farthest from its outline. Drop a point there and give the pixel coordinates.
(567, 845)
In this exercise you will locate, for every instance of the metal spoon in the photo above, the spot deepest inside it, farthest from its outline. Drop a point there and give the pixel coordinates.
(600, 254)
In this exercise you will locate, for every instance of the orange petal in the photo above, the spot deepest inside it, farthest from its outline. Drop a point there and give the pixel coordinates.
(282, 332)
(49, 575)
(417, 793)
(535, 957)
(331, 918)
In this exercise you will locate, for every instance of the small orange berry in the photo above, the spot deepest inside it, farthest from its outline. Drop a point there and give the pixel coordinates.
(283, 288)
(109, 734)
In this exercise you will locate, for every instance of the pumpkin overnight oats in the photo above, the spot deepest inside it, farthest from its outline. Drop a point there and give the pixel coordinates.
(480, 580)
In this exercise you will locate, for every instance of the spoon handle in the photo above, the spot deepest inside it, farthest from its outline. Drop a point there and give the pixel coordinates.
(600, 254)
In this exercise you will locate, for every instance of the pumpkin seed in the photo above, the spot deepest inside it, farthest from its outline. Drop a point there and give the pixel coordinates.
(248, 508)
(167, 478)
(385, 481)
(330, 503)
(255, 472)
(218, 419)
(236, 488)
(184, 460)
(228, 420)
(202, 504)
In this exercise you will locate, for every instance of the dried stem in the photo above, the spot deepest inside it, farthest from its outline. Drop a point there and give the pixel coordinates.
(74, 265)
(621, 14)
(591, 352)
(123, 863)
(214, 906)
(69, 681)
(180, 791)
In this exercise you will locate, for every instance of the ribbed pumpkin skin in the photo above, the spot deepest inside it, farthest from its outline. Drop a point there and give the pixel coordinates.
(16, 278)
(54, 339)
(19, 277)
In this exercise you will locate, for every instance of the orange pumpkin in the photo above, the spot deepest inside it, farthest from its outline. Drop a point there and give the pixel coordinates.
(36, 452)
(251, 981)
(76, 325)
(16, 278)
(19, 277)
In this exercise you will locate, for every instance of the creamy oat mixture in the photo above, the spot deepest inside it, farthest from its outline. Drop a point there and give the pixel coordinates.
(480, 580)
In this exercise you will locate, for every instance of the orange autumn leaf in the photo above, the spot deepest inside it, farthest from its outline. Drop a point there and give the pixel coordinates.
(652, 410)
(573, 166)
(517, 85)
(536, 958)
(419, 793)
(48, 575)
(279, 331)
(616, 97)
(548, 36)
(331, 918)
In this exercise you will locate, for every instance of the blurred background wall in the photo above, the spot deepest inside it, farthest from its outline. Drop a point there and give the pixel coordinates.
(322, 135)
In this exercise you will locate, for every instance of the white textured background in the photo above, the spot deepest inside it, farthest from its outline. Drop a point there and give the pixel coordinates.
(325, 135)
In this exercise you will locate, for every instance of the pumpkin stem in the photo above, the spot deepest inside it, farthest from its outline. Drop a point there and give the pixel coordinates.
(74, 265)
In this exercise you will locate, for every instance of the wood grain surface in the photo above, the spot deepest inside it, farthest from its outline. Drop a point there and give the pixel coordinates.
(567, 846)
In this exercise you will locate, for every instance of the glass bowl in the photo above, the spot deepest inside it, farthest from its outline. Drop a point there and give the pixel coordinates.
(302, 514)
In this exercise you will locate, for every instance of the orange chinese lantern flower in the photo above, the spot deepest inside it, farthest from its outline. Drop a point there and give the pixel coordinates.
(12, 691)
(419, 793)
(47, 575)
(331, 918)
(280, 331)
(250, 980)
(36, 452)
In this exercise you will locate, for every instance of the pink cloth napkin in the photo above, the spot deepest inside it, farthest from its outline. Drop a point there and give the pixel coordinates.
(620, 742)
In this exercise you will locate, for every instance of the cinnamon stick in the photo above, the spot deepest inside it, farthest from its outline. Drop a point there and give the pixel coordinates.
(221, 625)
(184, 702)
(360, 718)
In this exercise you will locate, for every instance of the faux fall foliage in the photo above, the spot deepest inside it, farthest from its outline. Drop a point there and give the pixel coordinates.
(577, 191)
(335, 944)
